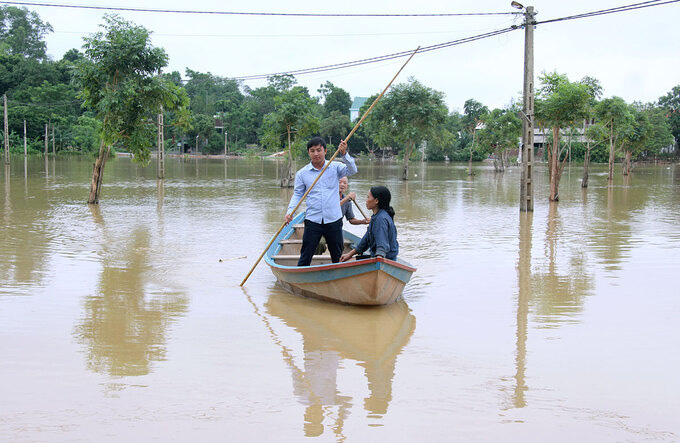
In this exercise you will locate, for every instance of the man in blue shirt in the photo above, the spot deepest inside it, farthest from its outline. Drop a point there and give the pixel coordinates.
(323, 217)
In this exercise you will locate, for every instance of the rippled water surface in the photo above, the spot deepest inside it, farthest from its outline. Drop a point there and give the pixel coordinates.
(126, 320)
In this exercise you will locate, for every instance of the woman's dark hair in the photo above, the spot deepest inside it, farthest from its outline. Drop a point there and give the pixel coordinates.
(315, 141)
(384, 197)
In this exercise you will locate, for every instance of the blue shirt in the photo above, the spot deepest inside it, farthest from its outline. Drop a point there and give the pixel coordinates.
(323, 201)
(346, 208)
(380, 237)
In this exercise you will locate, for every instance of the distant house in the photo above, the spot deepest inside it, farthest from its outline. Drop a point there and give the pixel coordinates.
(578, 135)
(219, 124)
(356, 105)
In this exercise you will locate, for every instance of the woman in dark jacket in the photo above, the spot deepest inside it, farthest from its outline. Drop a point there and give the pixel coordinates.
(381, 235)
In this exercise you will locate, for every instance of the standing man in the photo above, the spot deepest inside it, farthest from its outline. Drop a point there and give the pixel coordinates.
(323, 217)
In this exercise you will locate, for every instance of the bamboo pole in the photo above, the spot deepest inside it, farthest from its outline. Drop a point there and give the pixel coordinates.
(359, 208)
(329, 162)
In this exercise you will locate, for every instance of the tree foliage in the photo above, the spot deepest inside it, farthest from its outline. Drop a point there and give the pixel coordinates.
(671, 103)
(22, 33)
(334, 99)
(118, 80)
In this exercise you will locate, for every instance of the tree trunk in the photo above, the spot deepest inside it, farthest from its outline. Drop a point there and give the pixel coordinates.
(498, 161)
(287, 177)
(628, 158)
(98, 173)
(407, 155)
(586, 165)
(554, 162)
(471, 151)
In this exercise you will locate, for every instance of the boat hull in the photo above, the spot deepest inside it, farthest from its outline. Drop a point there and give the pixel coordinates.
(372, 281)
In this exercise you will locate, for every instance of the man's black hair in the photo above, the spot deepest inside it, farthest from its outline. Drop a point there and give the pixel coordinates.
(314, 141)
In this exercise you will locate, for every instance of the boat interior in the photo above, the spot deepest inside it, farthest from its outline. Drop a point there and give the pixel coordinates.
(289, 254)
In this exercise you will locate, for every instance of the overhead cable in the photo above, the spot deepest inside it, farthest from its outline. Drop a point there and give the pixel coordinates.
(241, 13)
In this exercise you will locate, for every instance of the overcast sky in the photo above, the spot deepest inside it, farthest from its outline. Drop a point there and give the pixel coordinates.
(635, 55)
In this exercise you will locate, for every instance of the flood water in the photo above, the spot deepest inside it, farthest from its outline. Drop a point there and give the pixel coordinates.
(126, 321)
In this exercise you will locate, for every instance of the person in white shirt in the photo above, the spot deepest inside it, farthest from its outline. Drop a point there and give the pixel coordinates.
(323, 217)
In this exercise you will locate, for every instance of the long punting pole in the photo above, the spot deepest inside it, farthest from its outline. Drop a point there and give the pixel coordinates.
(329, 162)
(359, 208)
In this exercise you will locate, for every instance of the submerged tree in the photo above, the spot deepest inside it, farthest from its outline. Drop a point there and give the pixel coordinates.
(293, 114)
(410, 114)
(502, 129)
(671, 103)
(614, 115)
(595, 91)
(472, 114)
(118, 80)
(560, 103)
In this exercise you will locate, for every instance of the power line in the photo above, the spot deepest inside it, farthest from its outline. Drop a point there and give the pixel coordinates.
(377, 59)
(373, 34)
(45, 104)
(624, 8)
(241, 13)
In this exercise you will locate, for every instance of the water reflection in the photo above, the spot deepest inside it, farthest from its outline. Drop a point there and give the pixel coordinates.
(126, 321)
(523, 297)
(332, 334)
(24, 239)
(560, 286)
(8, 200)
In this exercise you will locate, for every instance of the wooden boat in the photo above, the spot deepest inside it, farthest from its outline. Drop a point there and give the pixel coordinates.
(372, 281)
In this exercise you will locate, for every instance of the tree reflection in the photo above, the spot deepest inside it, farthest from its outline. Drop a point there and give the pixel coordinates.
(125, 324)
(24, 242)
(372, 337)
(559, 287)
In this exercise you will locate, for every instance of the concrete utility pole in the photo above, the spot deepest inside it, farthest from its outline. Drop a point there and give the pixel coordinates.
(526, 188)
(54, 152)
(25, 148)
(161, 146)
(4, 100)
(46, 138)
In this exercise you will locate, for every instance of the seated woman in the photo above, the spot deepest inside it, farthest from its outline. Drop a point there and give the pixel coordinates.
(381, 235)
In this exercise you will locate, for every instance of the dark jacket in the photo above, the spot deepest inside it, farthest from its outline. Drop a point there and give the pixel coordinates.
(381, 237)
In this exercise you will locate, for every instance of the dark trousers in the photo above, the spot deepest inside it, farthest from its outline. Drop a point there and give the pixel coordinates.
(332, 232)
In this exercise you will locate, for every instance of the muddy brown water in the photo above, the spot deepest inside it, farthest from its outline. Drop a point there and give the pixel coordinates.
(126, 321)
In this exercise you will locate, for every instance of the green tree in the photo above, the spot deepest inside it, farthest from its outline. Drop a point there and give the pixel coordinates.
(501, 132)
(202, 127)
(560, 104)
(671, 103)
(472, 114)
(293, 114)
(595, 92)
(660, 135)
(408, 115)
(634, 141)
(334, 99)
(119, 82)
(614, 116)
(211, 94)
(335, 125)
(22, 33)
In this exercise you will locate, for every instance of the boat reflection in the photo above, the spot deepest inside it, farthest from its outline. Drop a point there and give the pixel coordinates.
(331, 334)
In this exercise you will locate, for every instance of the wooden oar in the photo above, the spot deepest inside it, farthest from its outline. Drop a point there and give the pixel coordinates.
(359, 208)
(328, 163)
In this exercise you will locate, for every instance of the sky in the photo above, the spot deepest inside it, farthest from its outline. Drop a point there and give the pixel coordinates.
(634, 54)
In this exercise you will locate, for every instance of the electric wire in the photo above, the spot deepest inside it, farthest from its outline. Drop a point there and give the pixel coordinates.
(242, 13)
